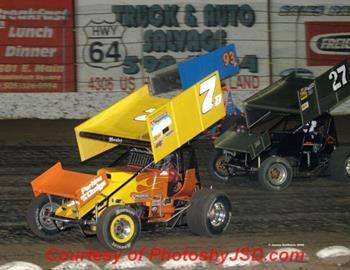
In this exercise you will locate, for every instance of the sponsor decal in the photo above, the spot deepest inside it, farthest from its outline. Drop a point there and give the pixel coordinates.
(160, 129)
(73, 203)
(115, 139)
(303, 94)
(327, 42)
(306, 91)
(95, 186)
(257, 144)
(305, 106)
(141, 196)
(156, 202)
(143, 117)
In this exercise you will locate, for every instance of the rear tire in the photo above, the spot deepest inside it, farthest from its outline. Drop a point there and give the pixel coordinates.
(118, 227)
(275, 173)
(38, 217)
(339, 164)
(209, 213)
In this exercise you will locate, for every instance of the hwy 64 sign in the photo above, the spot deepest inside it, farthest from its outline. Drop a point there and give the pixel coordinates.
(104, 47)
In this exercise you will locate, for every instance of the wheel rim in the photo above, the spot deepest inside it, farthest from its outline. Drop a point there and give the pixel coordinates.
(217, 214)
(220, 166)
(277, 174)
(347, 165)
(122, 228)
(45, 216)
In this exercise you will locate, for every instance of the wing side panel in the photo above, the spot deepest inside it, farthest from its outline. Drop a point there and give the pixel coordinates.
(186, 116)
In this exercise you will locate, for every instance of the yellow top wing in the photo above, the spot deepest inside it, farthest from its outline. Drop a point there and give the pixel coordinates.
(162, 124)
(123, 120)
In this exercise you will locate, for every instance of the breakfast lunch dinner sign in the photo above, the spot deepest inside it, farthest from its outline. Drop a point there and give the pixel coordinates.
(37, 46)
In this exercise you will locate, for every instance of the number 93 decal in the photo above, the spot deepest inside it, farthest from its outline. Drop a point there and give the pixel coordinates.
(208, 87)
(229, 58)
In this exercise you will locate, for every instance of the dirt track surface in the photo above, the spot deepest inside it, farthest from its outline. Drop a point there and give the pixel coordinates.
(313, 212)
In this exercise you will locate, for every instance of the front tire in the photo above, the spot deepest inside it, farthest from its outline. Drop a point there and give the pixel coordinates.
(275, 173)
(340, 164)
(38, 217)
(218, 168)
(118, 227)
(209, 213)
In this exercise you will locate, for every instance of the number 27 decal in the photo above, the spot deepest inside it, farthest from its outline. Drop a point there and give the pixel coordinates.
(341, 72)
(209, 87)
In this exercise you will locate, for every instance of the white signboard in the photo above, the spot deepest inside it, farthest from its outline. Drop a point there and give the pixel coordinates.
(121, 42)
(309, 36)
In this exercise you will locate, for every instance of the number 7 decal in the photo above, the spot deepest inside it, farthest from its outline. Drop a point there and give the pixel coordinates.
(209, 87)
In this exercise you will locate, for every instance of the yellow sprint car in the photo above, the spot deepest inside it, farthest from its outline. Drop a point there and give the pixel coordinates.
(156, 181)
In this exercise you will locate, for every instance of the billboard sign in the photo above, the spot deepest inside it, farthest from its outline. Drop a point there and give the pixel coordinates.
(37, 46)
(327, 42)
(121, 44)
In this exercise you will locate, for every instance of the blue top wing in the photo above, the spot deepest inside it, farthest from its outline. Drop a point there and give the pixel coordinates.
(224, 60)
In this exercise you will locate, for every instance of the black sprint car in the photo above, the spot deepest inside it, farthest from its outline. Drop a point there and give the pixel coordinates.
(289, 132)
